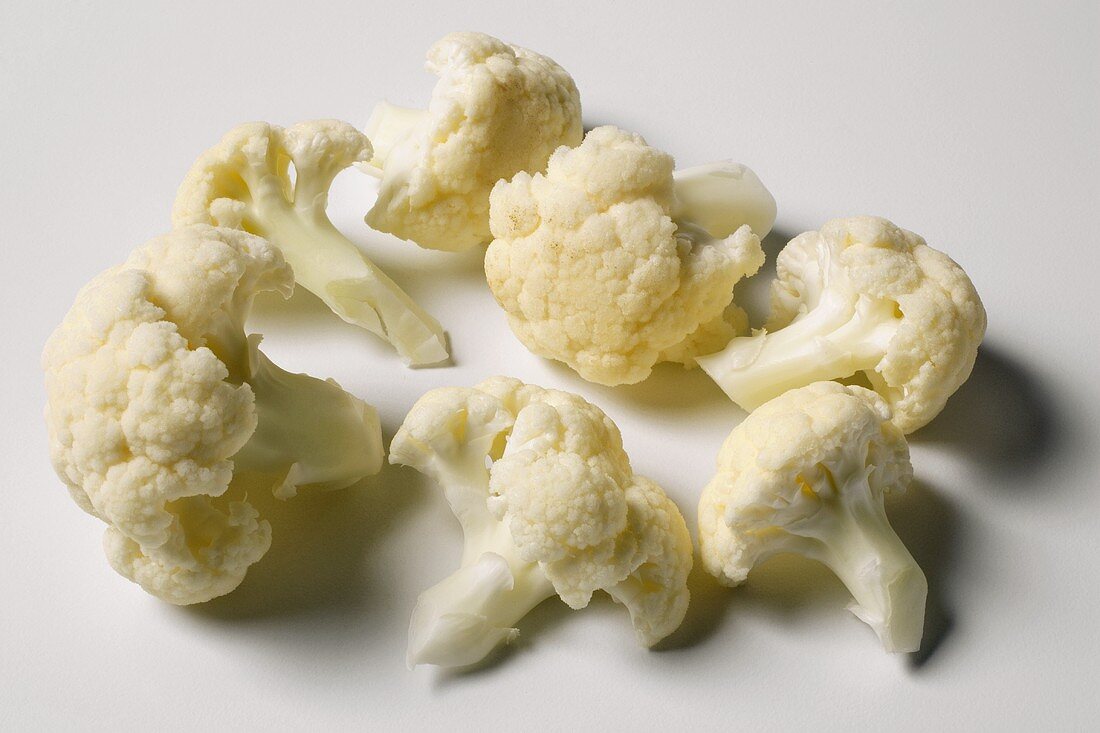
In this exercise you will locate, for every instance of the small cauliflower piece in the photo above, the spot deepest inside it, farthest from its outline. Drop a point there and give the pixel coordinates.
(158, 402)
(806, 474)
(549, 506)
(611, 263)
(861, 296)
(245, 182)
(496, 110)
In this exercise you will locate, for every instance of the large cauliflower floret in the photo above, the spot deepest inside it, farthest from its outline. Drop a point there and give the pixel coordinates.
(496, 110)
(861, 296)
(158, 402)
(245, 182)
(557, 511)
(806, 473)
(593, 269)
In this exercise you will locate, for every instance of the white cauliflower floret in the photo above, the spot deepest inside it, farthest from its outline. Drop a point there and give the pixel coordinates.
(157, 400)
(497, 109)
(806, 474)
(245, 182)
(861, 296)
(558, 512)
(601, 263)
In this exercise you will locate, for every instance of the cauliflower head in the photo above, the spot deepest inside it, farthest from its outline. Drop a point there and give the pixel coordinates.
(157, 402)
(245, 182)
(497, 109)
(806, 474)
(592, 269)
(861, 296)
(557, 511)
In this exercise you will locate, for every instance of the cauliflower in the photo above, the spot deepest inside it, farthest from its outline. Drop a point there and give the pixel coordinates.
(611, 264)
(548, 505)
(244, 182)
(496, 110)
(861, 296)
(158, 404)
(806, 474)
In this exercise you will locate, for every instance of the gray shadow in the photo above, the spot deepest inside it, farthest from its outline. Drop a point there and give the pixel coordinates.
(1002, 418)
(669, 388)
(320, 559)
(706, 612)
(301, 311)
(928, 524)
(787, 589)
(408, 268)
(754, 293)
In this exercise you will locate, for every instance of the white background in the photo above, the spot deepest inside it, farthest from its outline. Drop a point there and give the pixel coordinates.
(975, 126)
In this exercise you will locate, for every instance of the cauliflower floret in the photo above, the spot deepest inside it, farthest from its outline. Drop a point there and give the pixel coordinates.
(557, 512)
(157, 400)
(496, 110)
(861, 296)
(245, 182)
(806, 474)
(593, 270)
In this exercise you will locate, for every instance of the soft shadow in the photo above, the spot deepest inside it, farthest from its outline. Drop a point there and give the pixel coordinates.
(319, 559)
(1003, 418)
(670, 388)
(754, 293)
(928, 525)
(705, 614)
(407, 263)
(302, 310)
(788, 587)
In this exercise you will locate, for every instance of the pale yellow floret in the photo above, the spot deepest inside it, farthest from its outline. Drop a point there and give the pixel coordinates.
(156, 397)
(806, 473)
(549, 505)
(593, 271)
(497, 109)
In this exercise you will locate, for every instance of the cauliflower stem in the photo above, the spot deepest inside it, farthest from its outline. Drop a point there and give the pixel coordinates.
(310, 431)
(854, 539)
(722, 197)
(459, 620)
(836, 339)
(244, 183)
(806, 473)
(387, 127)
(860, 295)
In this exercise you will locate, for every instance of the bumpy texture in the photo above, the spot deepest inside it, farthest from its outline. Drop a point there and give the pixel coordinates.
(941, 319)
(565, 489)
(592, 270)
(144, 417)
(218, 189)
(496, 110)
(561, 485)
(788, 456)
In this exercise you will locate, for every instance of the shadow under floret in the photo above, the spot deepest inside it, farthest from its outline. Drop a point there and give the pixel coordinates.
(1002, 418)
(320, 555)
(928, 523)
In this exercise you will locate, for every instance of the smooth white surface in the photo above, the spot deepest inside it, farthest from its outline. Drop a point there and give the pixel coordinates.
(973, 124)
